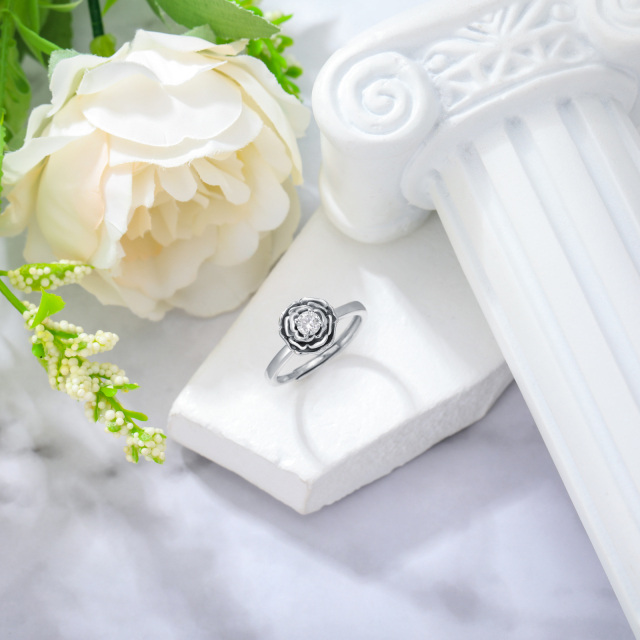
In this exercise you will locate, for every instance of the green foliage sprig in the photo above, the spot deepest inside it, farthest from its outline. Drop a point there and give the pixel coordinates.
(33, 26)
(271, 50)
(37, 28)
(65, 351)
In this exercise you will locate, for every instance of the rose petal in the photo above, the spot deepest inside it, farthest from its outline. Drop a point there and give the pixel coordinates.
(67, 75)
(70, 121)
(137, 248)
(178, 182)
(18, 163)
(192, 220)
(274, 153)
(106, 75)
(22, 199)
(37, 248)
(141, 110)
(269, 202)
(164, 221)
(233, 189)
(282, 236)
(297, 115)
(287, 118)
(143, 187)
(173, 268)
(225, 287)
(37, 121)
(155, 40)
(238, 135)
(217, 210)
(229, 163)
(69, 204)
(118, 189)
(139, 224)
(101, 285)
(175, 68)
(236, 244)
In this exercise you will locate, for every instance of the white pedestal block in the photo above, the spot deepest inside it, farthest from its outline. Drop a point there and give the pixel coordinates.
(423, 366)
(516, 120)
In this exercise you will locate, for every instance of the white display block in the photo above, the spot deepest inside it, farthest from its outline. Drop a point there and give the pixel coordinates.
(423, 366)
(516, 120)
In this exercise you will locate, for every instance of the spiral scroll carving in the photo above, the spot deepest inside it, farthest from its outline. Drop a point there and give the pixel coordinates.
(386, 94)
(623, 14)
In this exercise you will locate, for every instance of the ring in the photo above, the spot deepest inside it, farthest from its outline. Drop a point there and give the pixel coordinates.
(309, 326)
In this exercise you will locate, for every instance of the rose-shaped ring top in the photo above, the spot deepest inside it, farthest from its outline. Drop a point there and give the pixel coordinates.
(308, 325)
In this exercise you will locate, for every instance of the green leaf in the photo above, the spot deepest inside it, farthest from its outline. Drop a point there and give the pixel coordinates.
(108, 391)
(65, 7)
(135, 415)
(28, 12)
(57, 28)
(34, 15)
(134, 453)
(130, 386)
(50, 303)
(3, 133)
(57, 56)
(15, 93)
(104, 45)
(153, 4)
(227, 19)
(107, 5)
(38, 350)
(203, 31)
(36, 43)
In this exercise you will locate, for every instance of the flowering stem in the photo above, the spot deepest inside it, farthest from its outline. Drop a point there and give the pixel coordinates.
(96, 18)
(6, 292)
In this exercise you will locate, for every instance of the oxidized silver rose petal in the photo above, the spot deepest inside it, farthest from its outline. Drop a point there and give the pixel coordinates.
(308, 325)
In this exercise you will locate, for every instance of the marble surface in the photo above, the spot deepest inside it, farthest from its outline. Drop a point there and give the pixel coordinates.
(476, 538)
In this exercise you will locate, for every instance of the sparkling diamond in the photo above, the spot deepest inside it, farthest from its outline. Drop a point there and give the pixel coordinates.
(308, 323)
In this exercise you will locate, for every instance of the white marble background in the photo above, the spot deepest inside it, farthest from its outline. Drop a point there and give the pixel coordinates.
(476, 539)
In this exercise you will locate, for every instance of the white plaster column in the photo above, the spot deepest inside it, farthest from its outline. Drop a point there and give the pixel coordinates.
(557, 276)
(532, 159)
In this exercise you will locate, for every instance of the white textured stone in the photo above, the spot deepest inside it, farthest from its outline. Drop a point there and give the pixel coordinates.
(423, 366)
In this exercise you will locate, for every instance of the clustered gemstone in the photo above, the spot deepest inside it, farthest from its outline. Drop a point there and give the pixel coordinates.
(308, 323)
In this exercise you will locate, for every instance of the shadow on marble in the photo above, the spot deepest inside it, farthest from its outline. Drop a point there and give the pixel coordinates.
(372, 528)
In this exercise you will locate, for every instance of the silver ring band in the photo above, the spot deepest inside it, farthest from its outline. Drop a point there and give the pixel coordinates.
(308, 326)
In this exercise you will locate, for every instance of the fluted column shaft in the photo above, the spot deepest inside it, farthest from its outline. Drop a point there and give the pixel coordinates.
(543, 211)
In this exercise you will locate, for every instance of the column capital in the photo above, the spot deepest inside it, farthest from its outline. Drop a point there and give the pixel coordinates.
(409, 90)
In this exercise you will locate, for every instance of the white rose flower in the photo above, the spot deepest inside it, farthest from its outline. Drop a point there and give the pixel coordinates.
(168, 167)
